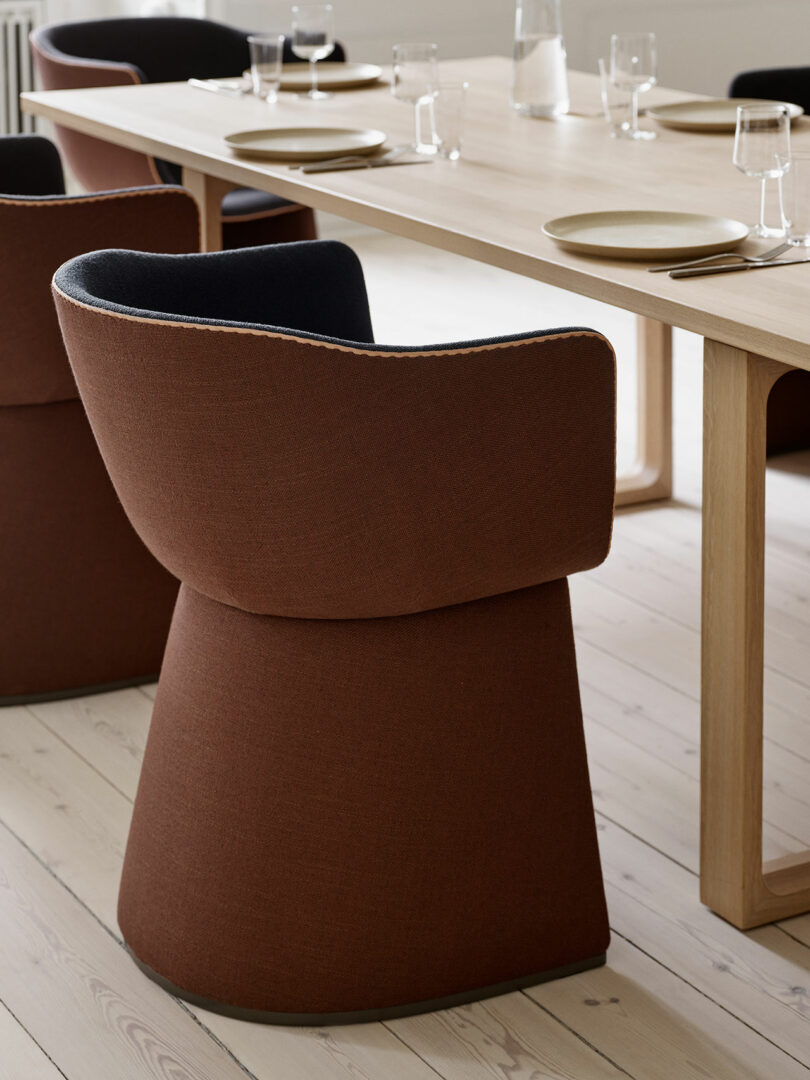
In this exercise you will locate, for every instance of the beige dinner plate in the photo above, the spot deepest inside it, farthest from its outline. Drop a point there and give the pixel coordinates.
(305, 143)
(645, 234)
(717, 114)
(332, 75)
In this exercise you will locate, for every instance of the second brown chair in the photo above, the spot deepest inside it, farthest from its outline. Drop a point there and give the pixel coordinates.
(365, 791)
(129, 51)
(84, 605)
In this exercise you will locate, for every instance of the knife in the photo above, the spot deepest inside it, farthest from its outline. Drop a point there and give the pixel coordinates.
(214, 87)
(702, 271)
(328, 166)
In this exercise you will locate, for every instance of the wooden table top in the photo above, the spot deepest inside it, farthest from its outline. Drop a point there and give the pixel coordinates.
(516, 174)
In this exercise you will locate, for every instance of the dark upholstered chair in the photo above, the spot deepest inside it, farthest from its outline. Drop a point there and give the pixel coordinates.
(83, 603)
(110, 52)
(789, 401)
(365, 791)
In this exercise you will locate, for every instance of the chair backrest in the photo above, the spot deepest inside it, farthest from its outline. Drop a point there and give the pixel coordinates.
(39, 231)
(280, 467)
(779, 84)
(125, 51)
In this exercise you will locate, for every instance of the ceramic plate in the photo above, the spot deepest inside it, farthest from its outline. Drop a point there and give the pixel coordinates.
(305, 143)
(331, 75)
(645, 234)
(715, 115)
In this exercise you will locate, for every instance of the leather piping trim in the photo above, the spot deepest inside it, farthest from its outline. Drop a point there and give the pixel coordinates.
(489, 347)
(108, 196)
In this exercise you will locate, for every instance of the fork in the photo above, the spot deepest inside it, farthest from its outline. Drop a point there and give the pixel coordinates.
(365, 159)
(766, 257)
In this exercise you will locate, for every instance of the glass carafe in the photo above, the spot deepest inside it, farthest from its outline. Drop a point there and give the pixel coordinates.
(539, 78)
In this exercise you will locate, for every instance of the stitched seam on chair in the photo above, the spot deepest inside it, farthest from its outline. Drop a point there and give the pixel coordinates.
(105, 196)
(109, 196)
(329, 344)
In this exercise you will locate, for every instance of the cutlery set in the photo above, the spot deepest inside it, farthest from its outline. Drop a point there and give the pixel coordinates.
(709, 264)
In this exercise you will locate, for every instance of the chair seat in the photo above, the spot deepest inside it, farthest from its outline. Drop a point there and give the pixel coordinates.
(249, 202)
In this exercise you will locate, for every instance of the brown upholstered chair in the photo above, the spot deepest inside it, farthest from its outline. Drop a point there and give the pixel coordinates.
(365, 791)
(83, 603)
(126, 51)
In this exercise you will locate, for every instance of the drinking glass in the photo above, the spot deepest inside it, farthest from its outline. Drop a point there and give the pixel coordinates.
(416, 79)
(797, 198)
(615, 102)
(313, 39)
(266, 51)
(633, 64)
(762, 149)
(448, 108)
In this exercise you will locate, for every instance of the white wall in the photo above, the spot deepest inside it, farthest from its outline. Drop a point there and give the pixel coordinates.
(702, 43)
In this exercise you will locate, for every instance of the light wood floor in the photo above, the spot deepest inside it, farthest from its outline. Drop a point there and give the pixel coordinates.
(684, 995)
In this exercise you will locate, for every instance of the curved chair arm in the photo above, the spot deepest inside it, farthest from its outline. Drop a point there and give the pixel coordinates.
(39, 233)
(297, 476)
(782, 84)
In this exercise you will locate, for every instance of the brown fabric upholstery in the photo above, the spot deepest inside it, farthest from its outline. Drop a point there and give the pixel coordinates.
(365, 789)
(39, 235)
(84, 604)
(100, 165)
(349, 815)
(354, 480)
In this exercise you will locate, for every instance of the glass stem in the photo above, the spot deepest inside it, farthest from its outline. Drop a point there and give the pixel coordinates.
(782, 215)
(762, 225)
(314, 75)
(417, 124)
(634, 111)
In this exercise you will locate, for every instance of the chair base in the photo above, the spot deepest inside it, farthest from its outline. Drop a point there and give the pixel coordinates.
(77, 691)
(365, 1016)
(352, 818)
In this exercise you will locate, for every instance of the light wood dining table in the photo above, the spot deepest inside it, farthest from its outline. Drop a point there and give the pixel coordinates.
(515, 174)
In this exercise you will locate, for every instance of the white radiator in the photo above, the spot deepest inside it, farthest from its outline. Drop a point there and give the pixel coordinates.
(17, 20)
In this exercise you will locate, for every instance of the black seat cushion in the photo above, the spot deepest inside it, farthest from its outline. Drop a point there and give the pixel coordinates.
(781, 84)
(30, 165)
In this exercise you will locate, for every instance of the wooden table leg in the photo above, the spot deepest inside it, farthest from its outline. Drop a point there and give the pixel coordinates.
(733, 881)
(651, 475)
(208, 191)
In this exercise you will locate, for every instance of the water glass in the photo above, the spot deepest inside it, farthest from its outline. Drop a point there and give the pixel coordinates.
(416, 80)
(616, 103)
(539, 77)
(633, 68)
(762, 149)
(313, 39)
(796, 208)
(266, 51)
(448, 111)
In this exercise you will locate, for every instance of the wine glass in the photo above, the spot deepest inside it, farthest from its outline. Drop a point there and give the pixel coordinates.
(416, 79)
(762, 149)
(313, 39)
(633, 63)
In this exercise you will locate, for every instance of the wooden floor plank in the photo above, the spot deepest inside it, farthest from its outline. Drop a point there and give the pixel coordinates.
(73, 988)
(20, 1057)
(506, 1036)
(759, 977)
(660, 902)
(108, 730)
(657, 1026)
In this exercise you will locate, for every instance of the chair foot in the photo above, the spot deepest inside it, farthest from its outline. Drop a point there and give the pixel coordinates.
(364, 1016)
